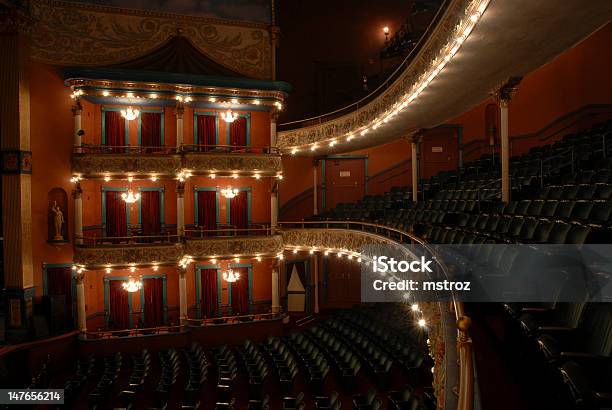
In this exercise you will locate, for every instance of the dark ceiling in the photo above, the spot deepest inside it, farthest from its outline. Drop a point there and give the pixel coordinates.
(322, 40)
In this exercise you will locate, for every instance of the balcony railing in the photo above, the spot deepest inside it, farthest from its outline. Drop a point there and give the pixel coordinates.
(228, 320)
(228, 230)
(168, 150)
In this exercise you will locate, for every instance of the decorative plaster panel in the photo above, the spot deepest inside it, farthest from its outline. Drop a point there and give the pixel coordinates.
(233, 162)
(124, 255)
(347, 239)
(91, 35)
(245, 245)
(96, 164)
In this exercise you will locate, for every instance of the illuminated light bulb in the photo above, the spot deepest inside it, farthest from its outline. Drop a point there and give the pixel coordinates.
(257, 176)
(433, 369)
(155, 268)
(235, 175)
(422, 323)
(258, 258)
(130, 197)
(474, 17)
(108, 270)
(153, 96)
(340, 254)
(256, 102)
(213, 261)
(188, 99)
(350, 256)
(386, 30)
(364, 132)
(74, 267)
(359, 259)
(295, 251)
(281, 256)
(237, 260)
(130, 178)
(229, 192)
(75, 179)
(132, 269)
(153, 178)
(326, 252)
(213, 176)
(179, 98)
(107, 178)
(130, 95)
(132, 285)
(229, 116)
(280, 176)
(312, 251)
(294, 151)
(234, 101)
(105, 93)
(415, 307)
(350, 137)
(212, 99)
(314, 147)
(332, 143)
(231, 276)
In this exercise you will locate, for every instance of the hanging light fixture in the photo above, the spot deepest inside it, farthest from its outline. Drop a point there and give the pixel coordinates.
(230, 276)
(229, 116)
(130, 197)
(132, 285)
(130, 114)
(229, 192)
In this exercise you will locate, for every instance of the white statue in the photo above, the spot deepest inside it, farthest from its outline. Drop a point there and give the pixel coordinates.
(58, 220)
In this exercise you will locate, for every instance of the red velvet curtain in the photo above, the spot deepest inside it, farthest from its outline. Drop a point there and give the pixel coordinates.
(118, 303)
(150, 206)
(208, 293)
(240, 292)
(238, 132)
(59, 282)
(239, 210)
(207, 209)
(207, 131)
(150, 129)
(153, 302)
(116, 217)
(115, 129)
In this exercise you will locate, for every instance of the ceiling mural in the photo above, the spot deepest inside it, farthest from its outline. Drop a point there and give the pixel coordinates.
(92, 35)
(258, 11)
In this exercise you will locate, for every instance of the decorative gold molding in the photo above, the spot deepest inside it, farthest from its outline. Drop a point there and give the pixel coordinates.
(347, 239)
(98, 164)
(83, 34)
(127, 254)
(504, 93)
(234, 246)
(264, 163)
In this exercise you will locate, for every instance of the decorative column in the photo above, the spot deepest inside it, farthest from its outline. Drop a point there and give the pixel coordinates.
(15, 25)
(315, 200)
(275, 288)
(274, 204)
(414, 161)
(182, 295)
(80, 294)
(503, 96)
(180, 110)
(77, 194)
(76, 112)
(180, 208)
(315, 264)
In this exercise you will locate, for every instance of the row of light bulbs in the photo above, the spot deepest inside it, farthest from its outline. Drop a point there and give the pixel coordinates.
(438, 64)
(181, 98)
(181, 176)
(340, 253)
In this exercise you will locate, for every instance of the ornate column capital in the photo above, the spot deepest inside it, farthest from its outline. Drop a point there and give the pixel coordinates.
(80, 278)
(77, 108)
(77, 191)
(180, 110)
(274, 189)
(504, 93)
(416, 137)
(181, 272)
(180, 188)
(274, 114)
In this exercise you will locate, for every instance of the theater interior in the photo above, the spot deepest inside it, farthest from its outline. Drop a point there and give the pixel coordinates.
(194, 194)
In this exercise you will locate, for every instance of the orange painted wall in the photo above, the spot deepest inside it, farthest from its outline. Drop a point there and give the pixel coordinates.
(578, 77)
(51, 133)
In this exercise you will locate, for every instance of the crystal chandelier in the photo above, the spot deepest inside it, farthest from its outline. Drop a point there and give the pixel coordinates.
(130, 197)
(229, 192)
(229, 116)
(132, 285)
(231, 276)
(130, 114)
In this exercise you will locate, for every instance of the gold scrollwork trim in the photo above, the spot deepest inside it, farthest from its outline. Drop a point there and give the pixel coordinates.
(234, 246)
(125, 255)
(97, 164)
(234, 162)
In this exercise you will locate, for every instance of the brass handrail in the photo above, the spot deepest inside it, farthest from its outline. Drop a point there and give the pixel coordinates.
(167, 149)
(105, 334)
(213, 321)
(122, 240)
(463, 322)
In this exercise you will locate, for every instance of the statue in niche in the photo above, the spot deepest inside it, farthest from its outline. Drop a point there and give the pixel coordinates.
(58, 221)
